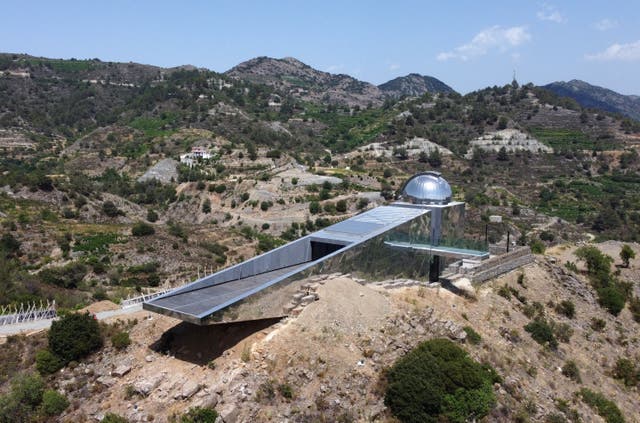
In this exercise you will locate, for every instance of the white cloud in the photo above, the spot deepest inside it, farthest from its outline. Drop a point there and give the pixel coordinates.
(625, 52)
(550, 13)
(488, 39)
(394, 66)
(605, 24)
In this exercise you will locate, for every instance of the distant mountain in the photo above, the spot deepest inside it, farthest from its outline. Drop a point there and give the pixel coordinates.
(303, 81)
(592, 96)
(414, 85)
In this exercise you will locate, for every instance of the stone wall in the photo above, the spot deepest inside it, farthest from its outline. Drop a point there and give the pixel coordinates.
(499, 265)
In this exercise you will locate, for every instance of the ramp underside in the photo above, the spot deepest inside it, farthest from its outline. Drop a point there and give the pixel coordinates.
(196, 304)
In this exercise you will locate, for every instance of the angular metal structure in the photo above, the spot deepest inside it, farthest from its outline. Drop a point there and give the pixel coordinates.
(405, 239)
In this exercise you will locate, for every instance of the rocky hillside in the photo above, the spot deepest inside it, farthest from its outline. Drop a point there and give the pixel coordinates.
(304, 82)
(595, 97)
(328, 362)
(414, 85)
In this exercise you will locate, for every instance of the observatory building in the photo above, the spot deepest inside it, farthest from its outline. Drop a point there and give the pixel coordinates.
(415, 237)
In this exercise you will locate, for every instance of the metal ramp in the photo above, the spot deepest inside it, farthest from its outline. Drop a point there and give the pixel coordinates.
(201, 302)
(256, 288)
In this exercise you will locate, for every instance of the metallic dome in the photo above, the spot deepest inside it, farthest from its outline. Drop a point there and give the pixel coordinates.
(427, 188)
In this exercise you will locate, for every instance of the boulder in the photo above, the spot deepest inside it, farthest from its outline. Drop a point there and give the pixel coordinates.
(121, 370)
(145, 385)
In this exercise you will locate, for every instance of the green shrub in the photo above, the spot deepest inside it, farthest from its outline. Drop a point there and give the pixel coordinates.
(505, 292)
(113, 418)
(152, 216)
(566, 308)
(542, 333)
(110, 209)
(626, 371)
(314, 207)
(199, 415)
(570, 370)
(285, 390)
(74, 336)
(120, 340)
(142, 229)
(634, 308)
(561, 331)
(472, 336)
(47, 362)
(537, 246)
(536, 309)
(607, 409)
(53, 403)
(598, 324)
(626, 254)
(21, 403)
(68, 276)
(206, 206)
(437, 381)
(611, 299)
(341, 206)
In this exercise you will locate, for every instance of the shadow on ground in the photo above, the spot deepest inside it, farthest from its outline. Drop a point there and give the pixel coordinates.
(201, 344)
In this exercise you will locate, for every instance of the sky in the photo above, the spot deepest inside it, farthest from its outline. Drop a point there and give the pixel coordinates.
(467, 44)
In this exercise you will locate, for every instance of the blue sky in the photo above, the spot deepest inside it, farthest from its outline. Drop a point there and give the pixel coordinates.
(467, 44)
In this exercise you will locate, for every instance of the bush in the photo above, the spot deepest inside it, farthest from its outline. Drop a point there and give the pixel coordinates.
(74, 336)
(68, 276)
(314, 207)
(505, 292)
(634, 308)
(626, 254)
(142, 229)
(113, 418)
(21, 402)
(341, 206)
(120, 340)
(561, 331)
(610, 298)
(199, 415)
(362, 203)
(47, 362)
(607, 409)
(626, 371)
(110, 209)
(598, 324)
(566, 308)
(537, 246)
(264, 205)
(472, 336)
(437, 381)
(152, 216)
(542, 333)
(570, 370)
(53, 403)
(206, 206)
(285, 390)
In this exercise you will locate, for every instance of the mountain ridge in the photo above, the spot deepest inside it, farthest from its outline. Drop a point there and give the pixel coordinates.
(593, 96)
(309, 83)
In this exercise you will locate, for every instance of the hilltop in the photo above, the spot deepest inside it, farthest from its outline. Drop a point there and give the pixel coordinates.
(414, 85)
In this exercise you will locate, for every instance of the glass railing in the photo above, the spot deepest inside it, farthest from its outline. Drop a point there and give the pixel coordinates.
(450, 242)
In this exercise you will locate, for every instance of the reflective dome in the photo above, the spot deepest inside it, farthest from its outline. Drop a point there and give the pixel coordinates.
(427, 188)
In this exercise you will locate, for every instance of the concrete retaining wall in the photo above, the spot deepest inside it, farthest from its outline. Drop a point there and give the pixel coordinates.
(499, 265)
